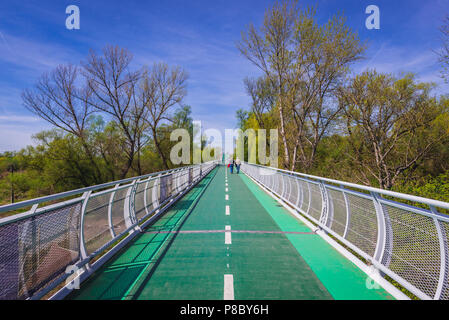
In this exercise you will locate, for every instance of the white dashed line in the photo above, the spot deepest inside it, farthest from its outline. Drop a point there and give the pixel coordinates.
(228, 212)
(226, 190)
(228, 287)
(228, 239)
(227, 197)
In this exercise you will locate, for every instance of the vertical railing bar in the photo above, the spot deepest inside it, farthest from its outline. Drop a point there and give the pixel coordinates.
(310, 198)
(348, 215)
(145, 201)
(324, 204)
(381, 228)
(83, 250)
(442, 281)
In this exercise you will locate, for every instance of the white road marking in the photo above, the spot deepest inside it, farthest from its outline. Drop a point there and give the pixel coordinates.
(227, 197)
(227, 265)
(228, 239)
(228, 212)
(226, 189)
(226, 184)
(228, 287)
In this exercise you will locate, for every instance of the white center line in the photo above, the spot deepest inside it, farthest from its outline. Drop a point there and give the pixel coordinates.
(227, 211)
(226, 189)
(228, 287)
(228, 239)
(227, 197)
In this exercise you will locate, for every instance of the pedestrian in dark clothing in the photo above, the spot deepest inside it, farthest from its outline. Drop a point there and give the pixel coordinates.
(237, 165)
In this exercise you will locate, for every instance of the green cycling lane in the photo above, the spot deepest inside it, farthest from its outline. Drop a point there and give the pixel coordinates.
(191, 265)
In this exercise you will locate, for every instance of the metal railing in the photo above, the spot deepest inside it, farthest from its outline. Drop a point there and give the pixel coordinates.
(403, 236)
(39, 245)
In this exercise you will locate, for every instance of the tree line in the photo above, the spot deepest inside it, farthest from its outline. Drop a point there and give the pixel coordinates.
(111, 120)
(380, 129)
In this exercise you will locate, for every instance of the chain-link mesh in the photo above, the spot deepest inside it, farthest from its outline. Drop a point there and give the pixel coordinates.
(139, 203)
(117, 217)
(36, 250)
(96, 222)
(416, 251)
(339, 216)
(362, 230)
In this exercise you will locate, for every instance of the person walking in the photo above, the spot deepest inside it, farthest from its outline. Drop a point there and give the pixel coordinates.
(231, 165)
(237, 165)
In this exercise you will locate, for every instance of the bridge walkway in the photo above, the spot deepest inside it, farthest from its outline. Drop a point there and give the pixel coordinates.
(228, 239)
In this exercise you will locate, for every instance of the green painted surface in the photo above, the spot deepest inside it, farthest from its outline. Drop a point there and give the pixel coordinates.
(192, 265)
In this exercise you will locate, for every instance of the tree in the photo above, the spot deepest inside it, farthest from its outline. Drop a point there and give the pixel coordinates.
(163, 87)
(57, 99)
(114, 91)
(443, 53)
(393, 124)
(303, 63)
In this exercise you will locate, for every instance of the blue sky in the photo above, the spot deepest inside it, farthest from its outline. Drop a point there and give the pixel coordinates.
(198, 35)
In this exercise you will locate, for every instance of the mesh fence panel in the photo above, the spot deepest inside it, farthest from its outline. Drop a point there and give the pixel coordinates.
(416, 251)
(339, 217)
(139, 203)
(304, 205)
(316, 201)
(149, 196)
(293, 197)
(96, 223)
(362, 230)
(36, 250)
(118, 219)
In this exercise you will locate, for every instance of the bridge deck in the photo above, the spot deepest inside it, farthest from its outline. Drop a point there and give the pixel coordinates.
(187, 253)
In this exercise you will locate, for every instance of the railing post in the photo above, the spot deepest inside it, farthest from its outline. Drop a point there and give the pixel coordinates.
(444, 257)
(129, 212)
(383, 229)
(83, 250)
(348, 214)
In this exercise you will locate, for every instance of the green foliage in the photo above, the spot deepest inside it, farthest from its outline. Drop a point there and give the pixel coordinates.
(60, 162)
